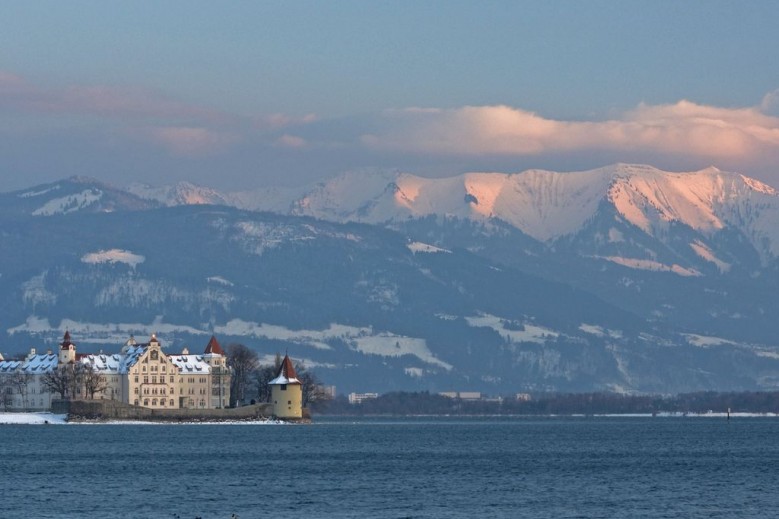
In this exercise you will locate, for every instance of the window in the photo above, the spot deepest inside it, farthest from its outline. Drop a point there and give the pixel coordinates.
(136, 401)
(172, 378)
(171, 402)
(136, 379)
(284, 387)
(136, 390)
(154, 354)
(145, 401)
(154, 401)
(154, 379)
(146, 379)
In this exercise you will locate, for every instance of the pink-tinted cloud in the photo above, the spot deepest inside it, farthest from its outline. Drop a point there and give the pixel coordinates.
(278, 121)
(109, 102)
(683, 128)
(189, 141)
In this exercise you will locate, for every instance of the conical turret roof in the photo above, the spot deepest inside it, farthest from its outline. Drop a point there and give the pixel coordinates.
(213, 347)
(286, 373)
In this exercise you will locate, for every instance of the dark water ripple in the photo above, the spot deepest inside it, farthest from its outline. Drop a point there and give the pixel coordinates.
(415, 468)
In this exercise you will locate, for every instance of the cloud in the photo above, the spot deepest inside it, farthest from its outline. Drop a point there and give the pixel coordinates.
(189, 141)
(770, 103)
(278, 121)
(684, 128)
(104, 101)
(290, 141)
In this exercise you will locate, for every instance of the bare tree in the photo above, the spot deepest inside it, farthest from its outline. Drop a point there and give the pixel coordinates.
(65, 380)
(6, 392)
(261, 377)
(20, 382)
(311, 386)
(243, 361)
(94, 382)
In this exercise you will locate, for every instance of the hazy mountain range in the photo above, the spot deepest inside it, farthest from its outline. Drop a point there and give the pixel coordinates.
(622, 278)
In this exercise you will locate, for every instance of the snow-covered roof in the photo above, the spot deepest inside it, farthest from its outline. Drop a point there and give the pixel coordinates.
(32, 364)
(107, 364)
(286, 374)
(190, 363)
(8, 366)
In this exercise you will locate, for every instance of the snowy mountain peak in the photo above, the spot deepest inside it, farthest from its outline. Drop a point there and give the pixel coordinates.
(181, 193)
(545, 204)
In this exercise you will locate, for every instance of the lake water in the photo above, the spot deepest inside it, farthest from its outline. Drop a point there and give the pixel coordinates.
(422, 467)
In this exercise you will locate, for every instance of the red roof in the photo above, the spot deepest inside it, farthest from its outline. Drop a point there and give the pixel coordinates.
(213, 347)
(286, 369)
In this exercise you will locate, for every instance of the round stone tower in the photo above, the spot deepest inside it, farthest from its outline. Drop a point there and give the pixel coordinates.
(287, 391)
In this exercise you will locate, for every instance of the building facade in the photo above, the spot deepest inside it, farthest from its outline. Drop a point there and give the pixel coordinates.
(141, 374)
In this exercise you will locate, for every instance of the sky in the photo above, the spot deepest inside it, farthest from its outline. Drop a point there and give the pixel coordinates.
(241, 95)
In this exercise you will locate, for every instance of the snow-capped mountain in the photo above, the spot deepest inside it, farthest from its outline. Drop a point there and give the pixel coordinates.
(549, 206)
(625, 277)
(72, 195)
(181, 193)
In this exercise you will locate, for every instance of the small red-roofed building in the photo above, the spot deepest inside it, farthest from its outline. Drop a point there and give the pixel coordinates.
(287, 391)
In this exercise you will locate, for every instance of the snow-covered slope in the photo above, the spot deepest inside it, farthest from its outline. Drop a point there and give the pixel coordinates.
(546, 204)
(71, 195)
(182, 193)
(549, 205)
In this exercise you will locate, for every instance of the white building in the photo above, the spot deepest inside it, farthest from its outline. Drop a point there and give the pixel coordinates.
(358, 398)
(141, 374)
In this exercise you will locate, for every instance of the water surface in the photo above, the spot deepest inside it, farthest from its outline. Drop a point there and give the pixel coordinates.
(416, 467)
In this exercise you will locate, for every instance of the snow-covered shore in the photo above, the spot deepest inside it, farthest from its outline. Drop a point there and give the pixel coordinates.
(58, 419)
(32, 418)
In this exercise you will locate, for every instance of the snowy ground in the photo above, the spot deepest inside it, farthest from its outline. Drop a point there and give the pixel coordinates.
(32, 418)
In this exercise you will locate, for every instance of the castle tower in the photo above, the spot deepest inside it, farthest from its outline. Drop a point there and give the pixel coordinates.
(215, 356)
(67, 350)
(287, 391)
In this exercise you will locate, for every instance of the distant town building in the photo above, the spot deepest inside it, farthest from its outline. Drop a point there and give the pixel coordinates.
(141, 374)
(328, 392)
(358, 398)
(287, 391)
(523, 397)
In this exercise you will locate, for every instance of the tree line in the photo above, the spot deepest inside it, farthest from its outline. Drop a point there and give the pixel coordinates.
(425, 403)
